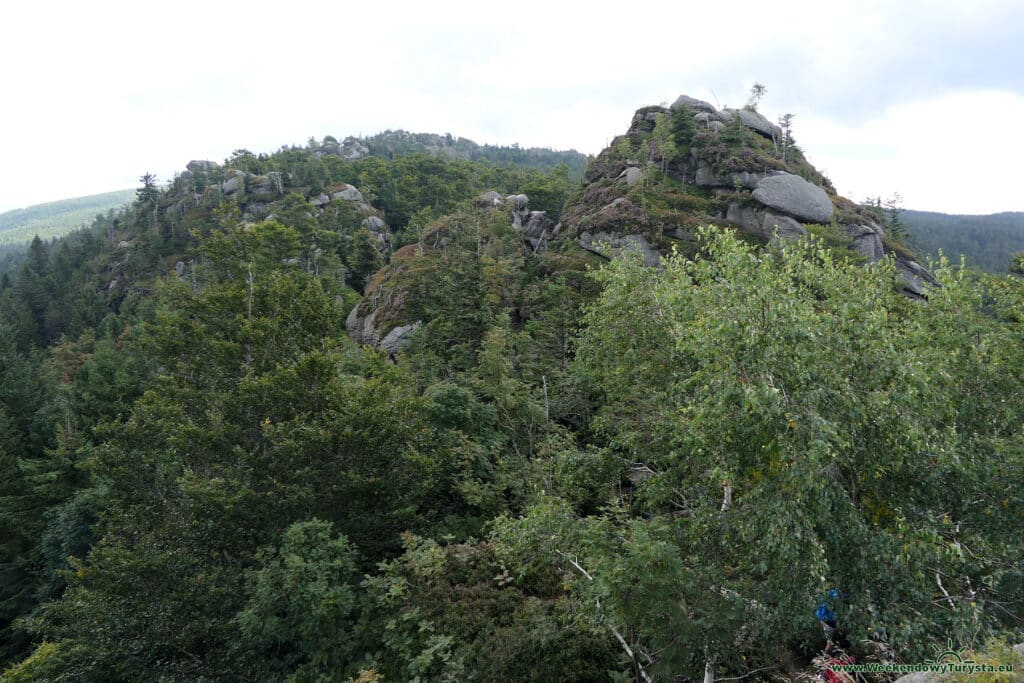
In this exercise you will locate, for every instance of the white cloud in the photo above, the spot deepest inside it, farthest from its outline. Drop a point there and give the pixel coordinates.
(97, 93)
(956, 154)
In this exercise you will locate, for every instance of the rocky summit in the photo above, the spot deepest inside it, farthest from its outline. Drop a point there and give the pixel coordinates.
(692, 164)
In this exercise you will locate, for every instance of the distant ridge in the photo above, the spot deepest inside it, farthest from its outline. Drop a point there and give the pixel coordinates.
(58, 218)
(987, 242)
(394, 143)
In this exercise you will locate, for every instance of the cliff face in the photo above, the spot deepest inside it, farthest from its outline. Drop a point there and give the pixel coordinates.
(690, 164)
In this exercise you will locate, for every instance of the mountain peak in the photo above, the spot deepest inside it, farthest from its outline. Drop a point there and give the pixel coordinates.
(691, 164)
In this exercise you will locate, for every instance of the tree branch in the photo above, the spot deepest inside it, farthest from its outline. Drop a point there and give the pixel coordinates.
(615, 632)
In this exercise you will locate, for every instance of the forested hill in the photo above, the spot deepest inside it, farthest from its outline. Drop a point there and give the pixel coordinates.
(392, 143)
(54, 219)
(305, 417)
(988, 242)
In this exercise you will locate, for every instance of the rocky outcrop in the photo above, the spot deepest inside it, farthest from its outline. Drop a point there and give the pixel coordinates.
(706, 177)
(644, 120)
(764, 223)
(741, 182)
(782, 226)
(518, 203)
(536, 226)
(361, 328)
(694, 104)
(198, 165)
(234, 183)
(754, 121)
(363, 331)
(631, 176)
(349, 194)
(538, 229)
(238, 184)
(266, 186)
(916, 279)
(490, 198)
(376, 226)
(398, 338)
(867, 240)
(377, 320)
(352, 148)
(795, 196)
(610, 245)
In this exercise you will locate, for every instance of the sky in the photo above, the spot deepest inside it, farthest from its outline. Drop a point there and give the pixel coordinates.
(924, 99)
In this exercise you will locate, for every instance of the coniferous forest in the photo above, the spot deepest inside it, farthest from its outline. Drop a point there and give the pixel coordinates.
(303, 417)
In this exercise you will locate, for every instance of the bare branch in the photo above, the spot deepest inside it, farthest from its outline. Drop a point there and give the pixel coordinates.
(615, 632)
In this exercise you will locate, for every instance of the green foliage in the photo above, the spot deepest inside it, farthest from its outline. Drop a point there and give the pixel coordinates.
(664, 139)
(302, 602)
(837, 241)
(454, 613)
(827, 407)
(682, 127)
(48, 662)
(757, 91)
(569, 474)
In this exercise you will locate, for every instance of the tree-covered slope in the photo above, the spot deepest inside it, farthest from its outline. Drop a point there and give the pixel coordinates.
(54, 219)
(303, 417)
(393, 143)
(988, 242)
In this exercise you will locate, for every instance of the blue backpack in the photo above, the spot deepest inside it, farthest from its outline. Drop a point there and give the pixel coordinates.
(824, 612)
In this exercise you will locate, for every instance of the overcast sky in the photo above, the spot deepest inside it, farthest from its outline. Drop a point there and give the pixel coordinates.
(921, 98)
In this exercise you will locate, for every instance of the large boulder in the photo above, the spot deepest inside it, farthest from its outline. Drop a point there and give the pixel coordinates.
(538, 226)
(916, 279)
(867, 240)
(266, 185)
(746, 218)
(361, 328)
(784, 227)
(520, 212)
(755, 122)
(379, 229)
(353, 148)
(398, 338)
(197, 165)
(793, 195)
(374, 224)
(490, 198)
(763, 223)
(645, 119)
(632, 175)
(349, 194)
(234, 183)
(610, 245)
(694, 104)
(706, 177)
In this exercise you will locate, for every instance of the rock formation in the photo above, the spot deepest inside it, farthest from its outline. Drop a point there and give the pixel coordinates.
(720, 175)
